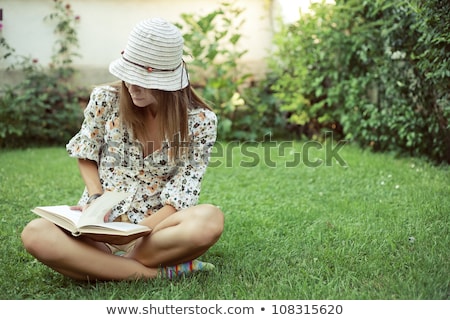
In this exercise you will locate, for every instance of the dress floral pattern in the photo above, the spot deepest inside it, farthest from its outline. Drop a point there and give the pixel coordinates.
(153, 181)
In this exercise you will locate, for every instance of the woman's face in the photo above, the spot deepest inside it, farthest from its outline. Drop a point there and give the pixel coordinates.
(141, 97)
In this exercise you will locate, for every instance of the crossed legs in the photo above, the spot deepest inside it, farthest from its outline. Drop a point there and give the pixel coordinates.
(183, 236)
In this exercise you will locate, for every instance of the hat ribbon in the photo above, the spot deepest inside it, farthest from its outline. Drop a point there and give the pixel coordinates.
(150, 69)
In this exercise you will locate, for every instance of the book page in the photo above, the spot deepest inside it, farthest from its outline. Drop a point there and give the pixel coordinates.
(66, 212)
(61, 215)
(97, 210)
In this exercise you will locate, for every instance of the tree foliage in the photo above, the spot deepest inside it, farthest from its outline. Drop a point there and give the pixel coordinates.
(377, 70)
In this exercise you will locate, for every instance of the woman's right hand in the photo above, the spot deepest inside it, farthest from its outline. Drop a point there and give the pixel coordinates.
(78, 208)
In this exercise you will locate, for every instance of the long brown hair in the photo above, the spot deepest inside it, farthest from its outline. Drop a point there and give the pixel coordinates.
(173, 108)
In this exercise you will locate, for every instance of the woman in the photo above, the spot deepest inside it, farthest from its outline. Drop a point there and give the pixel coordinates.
(149, 135)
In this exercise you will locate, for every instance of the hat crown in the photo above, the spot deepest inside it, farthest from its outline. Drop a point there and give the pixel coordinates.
(155, 43)
(153, 57)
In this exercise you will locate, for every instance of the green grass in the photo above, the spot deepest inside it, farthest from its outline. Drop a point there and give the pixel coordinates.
(324, 232)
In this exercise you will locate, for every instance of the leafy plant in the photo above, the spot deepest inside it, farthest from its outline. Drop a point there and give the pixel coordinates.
(305, 66)
(376, 69)
(64, 50)
(213, 42)
(44, 108)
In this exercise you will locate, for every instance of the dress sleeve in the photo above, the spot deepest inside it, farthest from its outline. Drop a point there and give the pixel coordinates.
(87, 143)
(183, 189)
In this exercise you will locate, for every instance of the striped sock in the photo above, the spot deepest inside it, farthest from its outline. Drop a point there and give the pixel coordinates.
(171, 272)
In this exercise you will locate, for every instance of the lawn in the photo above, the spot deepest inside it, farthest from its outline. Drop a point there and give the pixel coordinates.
(298, 225)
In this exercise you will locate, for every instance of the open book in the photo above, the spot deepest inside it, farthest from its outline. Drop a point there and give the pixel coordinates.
(90, 222)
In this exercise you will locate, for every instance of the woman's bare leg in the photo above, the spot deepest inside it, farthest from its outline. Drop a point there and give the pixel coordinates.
(76, 258)
(183, 236)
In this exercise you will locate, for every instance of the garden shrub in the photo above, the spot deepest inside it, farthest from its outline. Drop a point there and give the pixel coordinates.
(44, 108)
(304, 70)
(376, 69)
(41, 110)
(246, 108)
(432, 58)
(262, 118)
(213, 41)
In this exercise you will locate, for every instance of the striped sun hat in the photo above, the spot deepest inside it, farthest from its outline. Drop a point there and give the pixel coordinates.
(153, 57)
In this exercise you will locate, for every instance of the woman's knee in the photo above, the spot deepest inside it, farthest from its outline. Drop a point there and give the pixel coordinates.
(38, 237)
(209, 224)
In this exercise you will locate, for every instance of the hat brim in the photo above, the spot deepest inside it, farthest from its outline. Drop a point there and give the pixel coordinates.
(161, 80)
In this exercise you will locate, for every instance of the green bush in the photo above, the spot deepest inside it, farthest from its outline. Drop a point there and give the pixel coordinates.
(262, 116)
(39, 111)
(212, 40)
(301, 68)
(247, 110)
(432, 58)
(376, 69)
(44, 108)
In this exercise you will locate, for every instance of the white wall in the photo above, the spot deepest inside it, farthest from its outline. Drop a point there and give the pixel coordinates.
(105, 24)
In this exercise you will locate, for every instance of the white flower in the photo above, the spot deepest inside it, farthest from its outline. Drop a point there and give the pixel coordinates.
(236, 99)
(397, 55)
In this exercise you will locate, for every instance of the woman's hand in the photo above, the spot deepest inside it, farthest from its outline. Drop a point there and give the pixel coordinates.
(83, 208)
(77, 208)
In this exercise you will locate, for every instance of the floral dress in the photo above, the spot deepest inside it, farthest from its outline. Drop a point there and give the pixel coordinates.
(153, 181)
